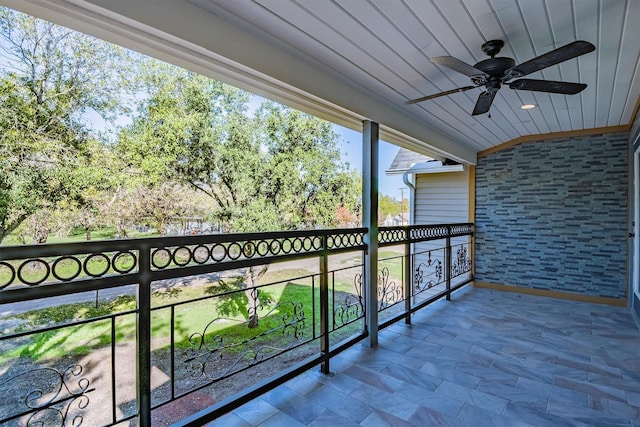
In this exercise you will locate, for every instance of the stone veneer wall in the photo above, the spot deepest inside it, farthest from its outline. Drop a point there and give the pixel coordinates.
(553, 215)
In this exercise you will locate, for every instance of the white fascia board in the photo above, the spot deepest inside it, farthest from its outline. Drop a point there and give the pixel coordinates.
(426, 167)
(434, 167)
(180, 32)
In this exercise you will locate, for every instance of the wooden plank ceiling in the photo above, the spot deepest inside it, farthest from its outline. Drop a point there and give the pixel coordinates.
(385, 47)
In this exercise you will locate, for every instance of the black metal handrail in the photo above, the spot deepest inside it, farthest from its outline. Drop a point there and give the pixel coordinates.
(34, 272)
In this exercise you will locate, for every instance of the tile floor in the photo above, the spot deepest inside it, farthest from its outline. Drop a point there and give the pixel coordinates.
(487, 358)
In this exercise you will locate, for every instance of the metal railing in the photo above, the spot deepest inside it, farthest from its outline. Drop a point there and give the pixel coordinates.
(198, 321)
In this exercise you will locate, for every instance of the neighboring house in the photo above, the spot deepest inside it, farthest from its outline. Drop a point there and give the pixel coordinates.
(439, 193)
(393, 221)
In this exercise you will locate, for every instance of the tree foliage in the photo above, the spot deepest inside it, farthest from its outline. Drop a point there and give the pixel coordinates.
(278, 169)
(271, 169)
(387, 206)
(50, 77)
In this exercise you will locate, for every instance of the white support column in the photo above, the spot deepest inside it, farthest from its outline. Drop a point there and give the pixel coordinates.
(370, 220)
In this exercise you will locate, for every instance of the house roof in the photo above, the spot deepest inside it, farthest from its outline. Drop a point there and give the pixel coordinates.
(350, 60)
(403, 160)
(407, 161)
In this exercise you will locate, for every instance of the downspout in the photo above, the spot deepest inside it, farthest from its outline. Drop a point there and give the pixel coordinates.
(412, 196)
(408, 181)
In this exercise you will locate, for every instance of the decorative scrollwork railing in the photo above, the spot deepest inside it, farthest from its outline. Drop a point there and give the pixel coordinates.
(212, 358)
(461, 263)
(242, 249)
(56, 398)
(428, 274)
(389, 291)
(67, 267)
(101, 264)
(337, 298)
(351, 307)
(421, 233)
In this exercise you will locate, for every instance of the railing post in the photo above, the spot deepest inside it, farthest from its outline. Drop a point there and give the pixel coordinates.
(324, 306)
(143, 337)
(408, 282)
(447, 262)
(370, 220)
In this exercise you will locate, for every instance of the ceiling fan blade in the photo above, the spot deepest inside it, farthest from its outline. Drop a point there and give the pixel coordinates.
(548, 86)
(484, 102)
(436, 95)
(457, 65)
(561, 54)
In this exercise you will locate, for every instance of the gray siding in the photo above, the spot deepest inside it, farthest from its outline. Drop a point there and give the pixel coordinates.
(442, 198)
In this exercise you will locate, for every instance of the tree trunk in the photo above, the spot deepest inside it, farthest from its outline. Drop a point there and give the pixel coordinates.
(253, 276)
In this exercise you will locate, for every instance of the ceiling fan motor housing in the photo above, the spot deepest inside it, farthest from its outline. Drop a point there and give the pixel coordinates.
(495, 67)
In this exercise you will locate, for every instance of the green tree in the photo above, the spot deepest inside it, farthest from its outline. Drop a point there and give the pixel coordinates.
(277, 170)
(389, 206)
(50, 78)
(280, 169)
(305, 178)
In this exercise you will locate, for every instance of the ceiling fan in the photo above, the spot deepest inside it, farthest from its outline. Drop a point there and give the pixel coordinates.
(492, 73)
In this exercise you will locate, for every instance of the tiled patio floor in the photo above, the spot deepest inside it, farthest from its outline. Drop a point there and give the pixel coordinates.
(487, 358)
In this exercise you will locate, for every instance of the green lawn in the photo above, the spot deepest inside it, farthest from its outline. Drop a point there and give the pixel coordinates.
(78, 235)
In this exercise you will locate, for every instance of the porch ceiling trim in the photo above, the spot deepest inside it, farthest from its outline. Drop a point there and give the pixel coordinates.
(236, 57)
(553, 135)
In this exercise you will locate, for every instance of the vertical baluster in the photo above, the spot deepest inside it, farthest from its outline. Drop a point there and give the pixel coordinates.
(324, 305)
(113, 370)
(407, 277)
(447, 262)
(172, 360)
(143, 337)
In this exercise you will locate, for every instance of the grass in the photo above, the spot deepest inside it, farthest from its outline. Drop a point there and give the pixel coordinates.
(191, 318)
(78, 235)
(391, 261)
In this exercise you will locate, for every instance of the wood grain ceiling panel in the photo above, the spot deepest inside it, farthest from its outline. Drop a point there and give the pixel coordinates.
(386, 47)
(612, 18)
(587, 14)
(627, 66)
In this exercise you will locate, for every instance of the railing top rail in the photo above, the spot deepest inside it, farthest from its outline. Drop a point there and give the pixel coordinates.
(37, 271)
(53, 249)
(394, 235)
(28, 272)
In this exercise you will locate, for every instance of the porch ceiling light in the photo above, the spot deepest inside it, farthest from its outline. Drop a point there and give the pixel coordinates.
(528, 106)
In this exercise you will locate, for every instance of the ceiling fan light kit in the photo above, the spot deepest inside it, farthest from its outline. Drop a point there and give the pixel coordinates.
(494, 72)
